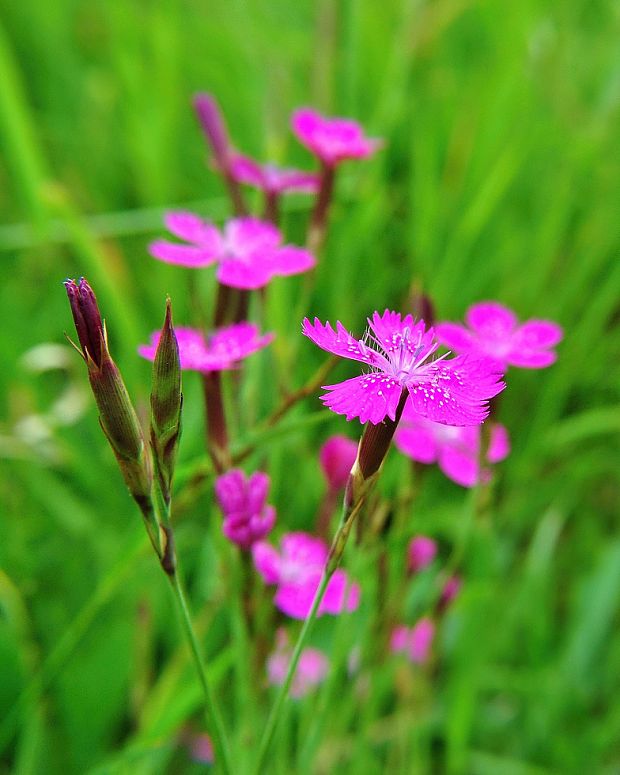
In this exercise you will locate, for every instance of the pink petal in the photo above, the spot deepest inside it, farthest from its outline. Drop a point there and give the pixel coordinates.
(237, 341)
(340, 595)
(399, 641)
(337, 456)
(460, 465)
(181, 255)
(417, 442)
(491, 319)
(291, 260)
(267, 562)
(422, 635)
(257, 489)
(190, 227)
(455, 337)
(246, 236)
(230, 491)
(296, 180)
(295, 600)
(305, 550)
(241, 275)
(499, 445)
(246, 170)
(370, 397)
(538, 334)
(340, 342)
(531, 359)
(456, 392)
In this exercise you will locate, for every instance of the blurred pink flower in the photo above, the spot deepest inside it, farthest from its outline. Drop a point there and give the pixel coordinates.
(455, 450)
(248, 251)
(311, 668)
(243, 501)
(421, 552)
(494, 331)
(272, 179)
(297, 570)
(450, 590)
(415, 641)
(332, 139)
(337, 456)
(453, 392)
(221, 350)
(201, 749)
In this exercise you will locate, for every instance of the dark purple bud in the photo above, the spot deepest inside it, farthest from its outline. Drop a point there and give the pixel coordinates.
(212, 122)
(88, 324)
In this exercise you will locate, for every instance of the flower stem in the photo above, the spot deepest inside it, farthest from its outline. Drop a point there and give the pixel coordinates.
(214, 719)
(319, 218)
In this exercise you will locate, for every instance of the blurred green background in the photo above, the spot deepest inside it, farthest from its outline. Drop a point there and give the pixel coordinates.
(499, 179)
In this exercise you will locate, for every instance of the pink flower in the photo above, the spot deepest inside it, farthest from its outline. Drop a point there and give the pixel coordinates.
(494, 331)
(332, 139)
(297, 571)
(243, 502)
(214, 127)
(201, 749)
(455, 450)
(452, 392)
(221, 350)
(337, 456)
(271, 179)
(415, 641)
(311, 668)
(422, 551)
(247, 251)
(450, 590)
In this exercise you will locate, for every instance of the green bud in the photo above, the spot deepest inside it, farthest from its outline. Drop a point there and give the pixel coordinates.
(166, 404)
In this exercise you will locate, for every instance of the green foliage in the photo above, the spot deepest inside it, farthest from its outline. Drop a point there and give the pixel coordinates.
(499, 180)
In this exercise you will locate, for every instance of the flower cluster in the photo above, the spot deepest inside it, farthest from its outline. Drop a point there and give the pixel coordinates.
(243, 501)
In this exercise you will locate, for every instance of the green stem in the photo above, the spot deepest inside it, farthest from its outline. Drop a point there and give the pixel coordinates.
(214, 719)
(276, 710)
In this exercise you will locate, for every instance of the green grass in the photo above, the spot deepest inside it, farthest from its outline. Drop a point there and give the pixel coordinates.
(499, 180)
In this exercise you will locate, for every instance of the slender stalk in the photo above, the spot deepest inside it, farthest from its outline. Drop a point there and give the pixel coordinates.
(214, 719)
(319, 219)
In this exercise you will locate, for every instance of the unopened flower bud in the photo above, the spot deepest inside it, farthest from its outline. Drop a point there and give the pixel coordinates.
(166, 402)
(212, 123)
(116, 413)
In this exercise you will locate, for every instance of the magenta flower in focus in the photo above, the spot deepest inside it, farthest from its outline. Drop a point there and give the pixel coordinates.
(493, 330)
(297, 571)
(248, 251)
(337, 456)
(415, 641)
(332, 139)
(243, 501)
(452, 392)
(217, 352)
(455, 450)
(311, 668)
(272, 179)
(421, 552)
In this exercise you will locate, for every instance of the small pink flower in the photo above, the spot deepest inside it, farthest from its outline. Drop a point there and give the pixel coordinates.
(297, 571)
(311, 668)
(422, 551)
(332, 139)
(452, 392)
(248, 251)
(220, 351)
(337, 456)
(243, 501)
(450, 590)
(494, 331)
(455, 450)
(201, 749)
(272, 179)
(415, 641)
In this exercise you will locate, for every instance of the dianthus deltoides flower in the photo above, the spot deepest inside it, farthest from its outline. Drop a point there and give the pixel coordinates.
(272, 179)
(248, 251)
(494, 331)
(415, 641)
(333, 140)
(455, 450)
(398, 353)
(220, 351)
(297, 571)
(311, 668)
(243, 501)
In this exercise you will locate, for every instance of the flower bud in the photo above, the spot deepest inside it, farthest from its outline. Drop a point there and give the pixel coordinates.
(337, 456)
(422, 551)
(116, 413)
(166, 403)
